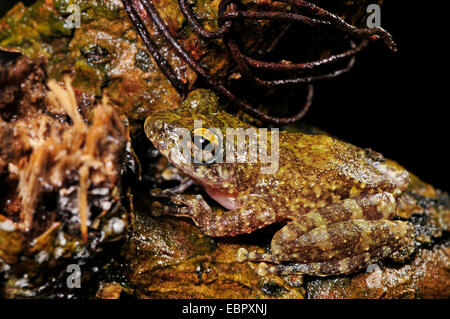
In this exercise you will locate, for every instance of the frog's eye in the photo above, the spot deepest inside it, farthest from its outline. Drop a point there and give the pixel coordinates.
(206, 146)
(201, 143)
(204, 139)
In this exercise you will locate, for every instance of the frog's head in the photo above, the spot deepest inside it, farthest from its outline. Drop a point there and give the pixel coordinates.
(191, 137)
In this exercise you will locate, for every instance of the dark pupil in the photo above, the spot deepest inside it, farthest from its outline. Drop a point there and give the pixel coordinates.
(200, 142)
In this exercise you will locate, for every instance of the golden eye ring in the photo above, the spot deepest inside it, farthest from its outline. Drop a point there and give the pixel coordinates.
(205, 140)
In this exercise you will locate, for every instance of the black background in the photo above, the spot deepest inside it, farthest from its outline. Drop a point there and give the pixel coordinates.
(394, 104)
(173, 308)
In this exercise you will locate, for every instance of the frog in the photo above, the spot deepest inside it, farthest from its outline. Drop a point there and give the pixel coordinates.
(335, 202)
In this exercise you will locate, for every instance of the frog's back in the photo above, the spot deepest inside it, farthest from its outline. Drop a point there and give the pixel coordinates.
(316, 170)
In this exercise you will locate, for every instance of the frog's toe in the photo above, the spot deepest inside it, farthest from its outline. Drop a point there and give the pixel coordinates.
(156, 209)
(162, 193)
(262, 269)
(157, 192)
(333, 267)
(242, 255)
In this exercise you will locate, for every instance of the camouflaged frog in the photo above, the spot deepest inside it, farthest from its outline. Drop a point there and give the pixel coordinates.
(337, 200)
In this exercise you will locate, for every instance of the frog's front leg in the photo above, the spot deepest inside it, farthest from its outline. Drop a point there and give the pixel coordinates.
(253, 213)
(338, 239)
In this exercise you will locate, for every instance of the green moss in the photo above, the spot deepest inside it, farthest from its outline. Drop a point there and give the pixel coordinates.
(31, 29)
(91, 10)
(89, 78)
(202, 101)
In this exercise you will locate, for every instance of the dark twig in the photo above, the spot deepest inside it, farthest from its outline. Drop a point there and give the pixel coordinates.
(212, 82)
(228, 13)
(178, 84)
(192, 21)
(274, 66)
(338, 22)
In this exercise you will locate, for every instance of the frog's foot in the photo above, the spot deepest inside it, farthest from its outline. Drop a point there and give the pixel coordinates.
(269, 264)
(194, 204)
(167, 193)
(185, 184)
(252, 214)
(327, 268)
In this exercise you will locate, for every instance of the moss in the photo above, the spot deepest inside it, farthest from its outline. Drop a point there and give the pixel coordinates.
(91, 10)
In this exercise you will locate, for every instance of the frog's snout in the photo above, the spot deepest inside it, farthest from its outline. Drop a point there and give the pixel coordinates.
(151, 125)
(153, 128)
(154, 131)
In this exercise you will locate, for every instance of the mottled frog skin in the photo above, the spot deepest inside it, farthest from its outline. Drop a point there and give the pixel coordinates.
(337, 200)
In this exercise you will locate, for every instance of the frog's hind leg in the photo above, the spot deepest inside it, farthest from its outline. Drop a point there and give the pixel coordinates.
(339, 248)
(339, 238)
